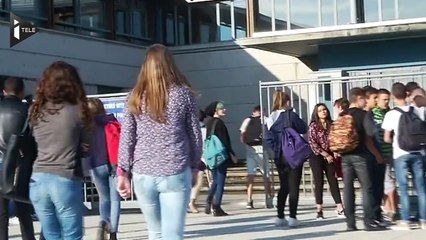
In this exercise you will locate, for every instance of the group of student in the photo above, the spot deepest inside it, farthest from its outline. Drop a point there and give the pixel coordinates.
(160, 149)
(366, 141)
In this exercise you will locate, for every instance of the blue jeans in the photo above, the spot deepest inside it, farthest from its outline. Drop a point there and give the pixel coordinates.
(164, 201)
(109, 200)
(216, 190)
(415, 164)
(58, 202)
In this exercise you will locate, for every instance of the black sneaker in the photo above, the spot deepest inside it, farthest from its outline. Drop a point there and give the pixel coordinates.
(218, 212)
(373, 226)
(250, 205)
(113, 236)
(208, 208)
(320, 215)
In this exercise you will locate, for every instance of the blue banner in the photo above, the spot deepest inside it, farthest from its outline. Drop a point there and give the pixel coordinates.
(115, 106)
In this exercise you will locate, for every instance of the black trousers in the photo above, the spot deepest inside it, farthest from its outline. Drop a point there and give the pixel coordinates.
(319, 166)
(355, 166)
(377, 175)
(23, 212)
(289, 185)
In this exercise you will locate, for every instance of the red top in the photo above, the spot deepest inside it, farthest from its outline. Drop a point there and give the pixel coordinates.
(112, 134)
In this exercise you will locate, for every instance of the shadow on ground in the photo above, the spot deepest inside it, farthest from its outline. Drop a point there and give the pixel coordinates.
(311, 235)
(256, 225)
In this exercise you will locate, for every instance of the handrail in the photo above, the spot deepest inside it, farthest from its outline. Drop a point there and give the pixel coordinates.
(108, 95)
(346, 78)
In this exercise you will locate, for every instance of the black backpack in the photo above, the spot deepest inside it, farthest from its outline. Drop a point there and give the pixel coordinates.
(412, 131)
(253, 134)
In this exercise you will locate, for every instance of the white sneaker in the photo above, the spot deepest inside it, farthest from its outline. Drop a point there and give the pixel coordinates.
(401, 226)
(13, 221)
(423, 224)
(280, 222)
(293, 222)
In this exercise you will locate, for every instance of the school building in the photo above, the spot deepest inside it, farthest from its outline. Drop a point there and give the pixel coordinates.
(225, 47)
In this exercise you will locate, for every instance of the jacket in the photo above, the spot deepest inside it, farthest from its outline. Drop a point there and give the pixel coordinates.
(99, 151)
(13, 113)
(275, 125)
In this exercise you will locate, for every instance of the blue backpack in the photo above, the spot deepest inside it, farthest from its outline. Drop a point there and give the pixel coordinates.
(215, 153)
(295, 149)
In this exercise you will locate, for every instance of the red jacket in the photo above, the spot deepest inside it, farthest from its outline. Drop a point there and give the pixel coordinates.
(112, 134)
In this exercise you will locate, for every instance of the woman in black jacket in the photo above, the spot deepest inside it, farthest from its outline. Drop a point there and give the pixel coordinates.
(215, 111)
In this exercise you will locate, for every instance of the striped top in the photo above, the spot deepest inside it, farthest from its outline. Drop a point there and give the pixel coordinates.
(378, 116)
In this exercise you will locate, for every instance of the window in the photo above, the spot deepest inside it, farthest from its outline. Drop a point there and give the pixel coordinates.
(240, 16)
(388, 10)
(225, 22)
(371, 10)
(131, 21)
(63, 15)
(304, 13)
(263, 15)
(281, 14)
(343, 12)
(93, 16)
(32, 10)
(412, 9)
(183, 24)
(327, 13)
(204, 26)
(3, 10)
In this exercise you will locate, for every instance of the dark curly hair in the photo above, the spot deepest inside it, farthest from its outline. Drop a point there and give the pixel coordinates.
(60, 83)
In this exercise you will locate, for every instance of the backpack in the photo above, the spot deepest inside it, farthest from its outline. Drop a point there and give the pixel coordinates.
(411, 131)
(295, 149)
(343, 135)
(215, 153)
(112, 136)
(253, 134)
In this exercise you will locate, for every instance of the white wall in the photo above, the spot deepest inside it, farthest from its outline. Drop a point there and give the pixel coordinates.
(233, 76)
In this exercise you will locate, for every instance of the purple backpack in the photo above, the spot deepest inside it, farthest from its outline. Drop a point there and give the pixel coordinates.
(295, 149)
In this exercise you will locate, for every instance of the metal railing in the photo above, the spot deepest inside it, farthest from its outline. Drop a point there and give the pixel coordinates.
(306, 93)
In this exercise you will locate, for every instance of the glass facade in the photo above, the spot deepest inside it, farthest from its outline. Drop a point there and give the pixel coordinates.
(175, 22)
(172, 22)
(274, 15)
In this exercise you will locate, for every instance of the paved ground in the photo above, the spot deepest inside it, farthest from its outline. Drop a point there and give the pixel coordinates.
(250, 224)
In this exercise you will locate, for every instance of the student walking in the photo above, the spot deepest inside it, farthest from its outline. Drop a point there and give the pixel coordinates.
(198, 182)
(61, 122)
(160, 144)
(390, 195)
(283, 117)
(377, 168)
(323, 159)
(13, 114)
(406, 124)
(103, 163)
(351, 136)
(256, 156)
(215, 126)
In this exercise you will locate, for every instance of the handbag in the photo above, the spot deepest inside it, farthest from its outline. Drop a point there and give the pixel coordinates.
(17, 164)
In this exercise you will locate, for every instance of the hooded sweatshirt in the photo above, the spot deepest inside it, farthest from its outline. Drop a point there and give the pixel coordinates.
(99, 146)
(276, 123)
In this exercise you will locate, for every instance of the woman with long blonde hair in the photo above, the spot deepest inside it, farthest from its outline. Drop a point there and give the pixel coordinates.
(160, 144)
